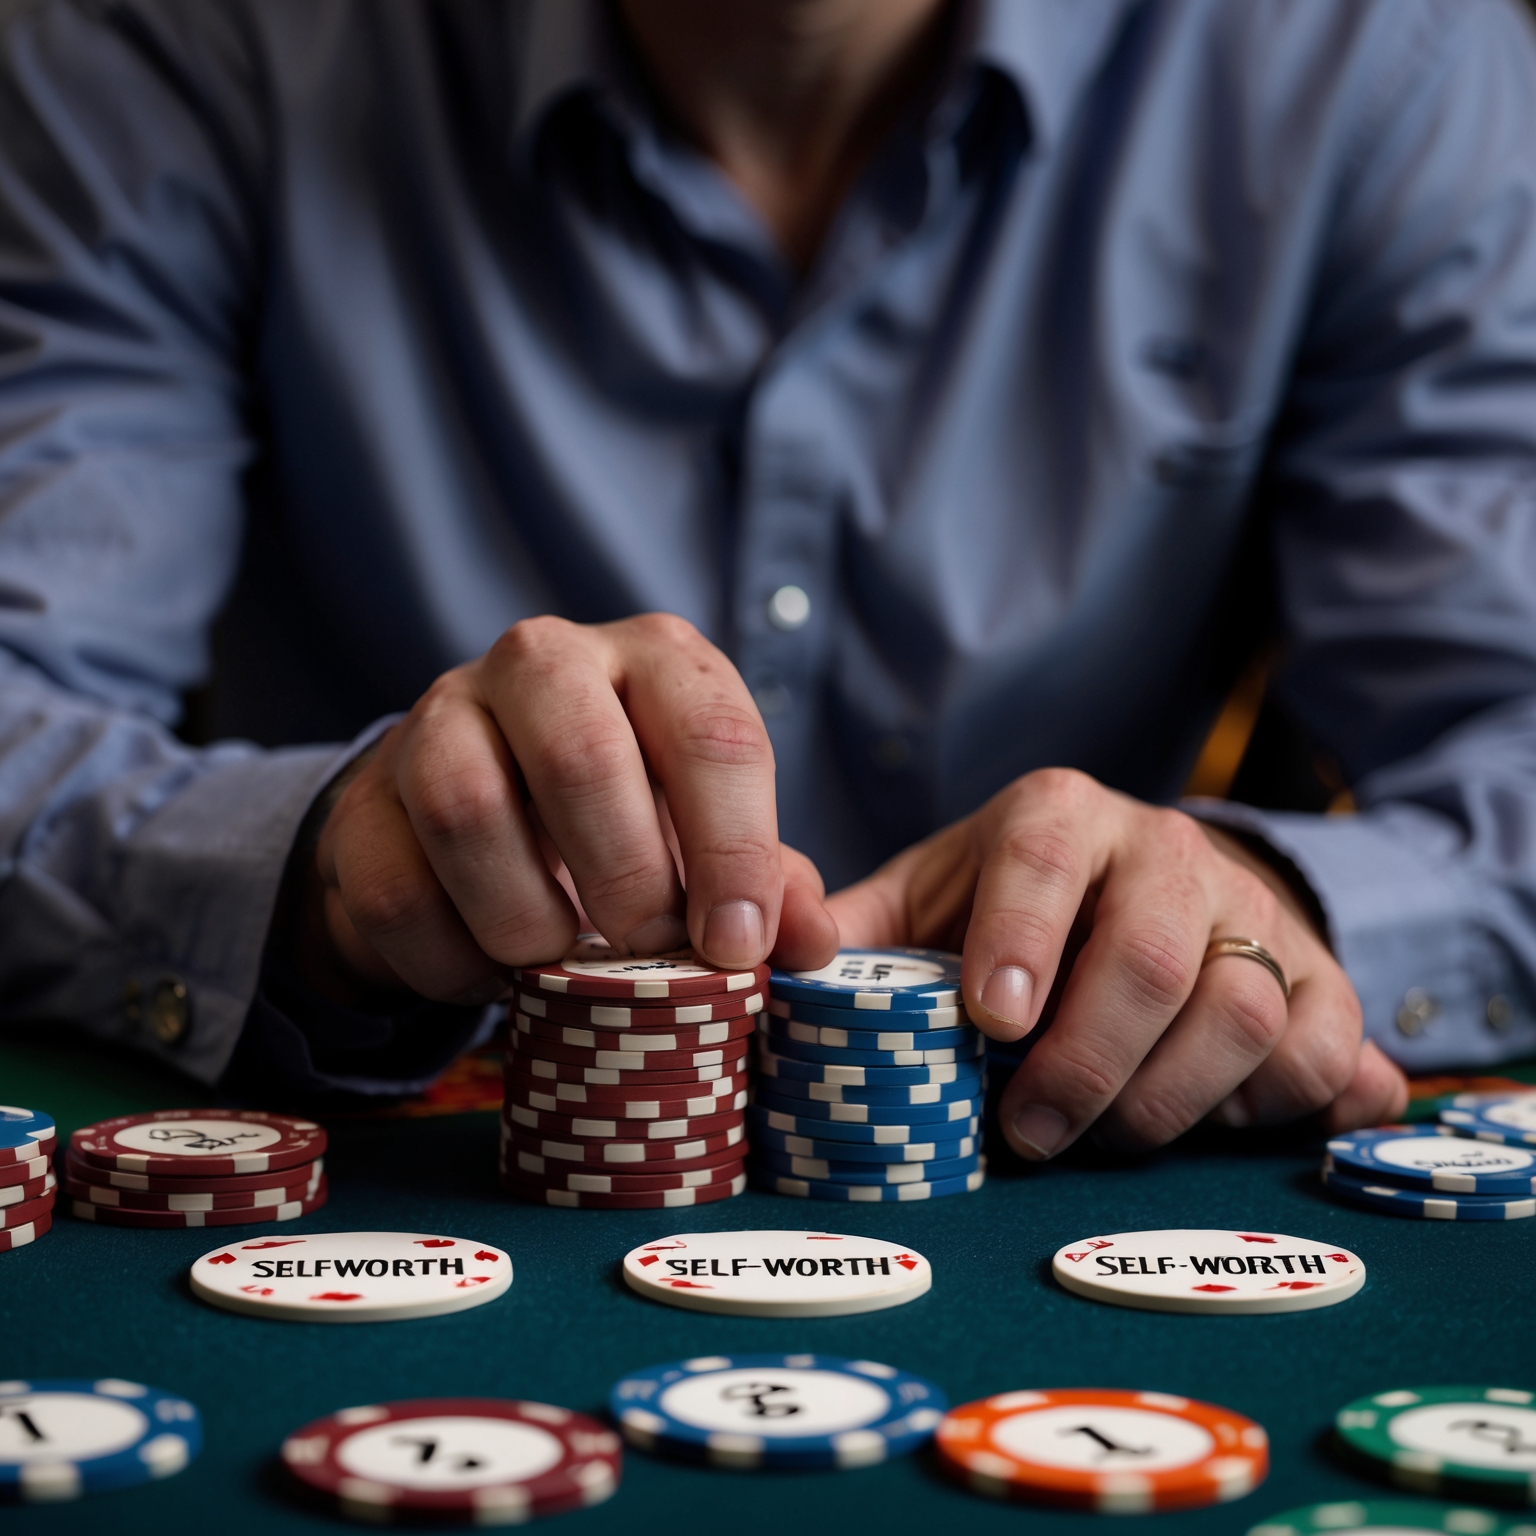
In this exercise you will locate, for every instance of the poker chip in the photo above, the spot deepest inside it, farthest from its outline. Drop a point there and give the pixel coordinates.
(777, 1274)
(594, 1181)
(722, 1087)
(26, 1232)
(790, 1411)
(115, 1178)
(27, 1211)
(124, 1216)
(825, 1170)
(640, 1016)
(1434, 1157)
(461, 1460)
(642, 1042)
(870, 1194)
(631, 1104)
(886, 980)
(787, 1036)
(155, 1200)
(351, 1277)
(25, 1135)
(1466, 1442)
(1209, 1271)
(694, 1152)
(641, 1200)
(763, 1118)
(1391, 1517)
(794, 1089)
(963, 1074)
(838, 1111)
(208, 1142)
(1114, 1452)
(523, 1044)
(1427, 1205)
(771, 1141)
(1502, 1117)
(20, 1194)
(564, 1072)
(838, 1016)
(594, 969)
(27, 1172)
(600, 1128)
(60, 1439)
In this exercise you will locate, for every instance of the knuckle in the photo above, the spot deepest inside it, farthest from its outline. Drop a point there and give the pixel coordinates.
(456, 805)
(530, 932)
(1158, 965)
(670, 630)
(1088, 1076)
(382, 903)
(723, 735)
(584, 756)
(1255, 1008)
(1046, 852)
(1179, 836)
(1153, 1117)
(537, 643)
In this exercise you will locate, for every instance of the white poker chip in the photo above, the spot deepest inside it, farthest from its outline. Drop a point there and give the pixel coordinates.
(879, 979)
(352, 1277)
(1202, 1270)
(777, 1274)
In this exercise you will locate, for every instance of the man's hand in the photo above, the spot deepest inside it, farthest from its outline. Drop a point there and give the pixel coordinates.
(1067, 896)
(561, 779)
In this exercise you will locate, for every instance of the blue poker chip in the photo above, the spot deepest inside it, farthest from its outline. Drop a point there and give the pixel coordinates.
(77, 1437)
(870, 1194)
(25, 1134)
(837, 1171)
(1434, 1157)
(917, 1019)
(764, 1118)
(883, 980)
(1427, 1205)
(946, 1112)
(792, 1411)
(961, 1045)
(787, 1145)
(791, 1076)
(1509, 1118)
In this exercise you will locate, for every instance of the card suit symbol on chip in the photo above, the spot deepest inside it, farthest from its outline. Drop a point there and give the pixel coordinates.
(1250, 1237)
(435, 1242)
(688, 1285)
(650, 1258)
(1213, 1287)
(663, 1247)
(256, 1290)
(338, 1296)
(1296, 1285)
(906, 1261)
(1338, 1258)
(223, 1258)
(275, 1242)
(486, 1257)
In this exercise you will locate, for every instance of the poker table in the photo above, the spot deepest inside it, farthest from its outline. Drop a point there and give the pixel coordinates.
(1443, 1303)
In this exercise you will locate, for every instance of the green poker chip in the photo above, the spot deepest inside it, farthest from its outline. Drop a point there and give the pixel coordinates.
(1393, 1517)
(1461, 1442)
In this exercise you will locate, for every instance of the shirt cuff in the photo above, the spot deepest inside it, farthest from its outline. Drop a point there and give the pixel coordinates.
(1416, 934)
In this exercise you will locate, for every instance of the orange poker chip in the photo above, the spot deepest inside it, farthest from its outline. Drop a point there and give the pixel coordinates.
(1110, 1451)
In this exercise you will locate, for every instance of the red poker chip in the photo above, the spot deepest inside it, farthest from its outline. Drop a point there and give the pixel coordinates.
(638, 1200)
(602, 1128)
(29, 1172)
(15, 1194)
(726, 1086)
(526, 1045)
(669, 1015)
(596, 1181)
(119, 1216)
(27, 1210)
(537, 1069)
(642, 1042)
(205, 1143)
(631, 1103)
(281, 1190)
(30, 1151)
(529, 1154)
(115, 1178)
(19, 1237)
(594, 969)
(473, 1460)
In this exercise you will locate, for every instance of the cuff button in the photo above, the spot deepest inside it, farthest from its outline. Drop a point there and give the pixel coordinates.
(170, 1010)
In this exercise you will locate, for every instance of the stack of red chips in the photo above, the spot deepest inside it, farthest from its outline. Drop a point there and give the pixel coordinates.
(27, 1185)
(626, 1080)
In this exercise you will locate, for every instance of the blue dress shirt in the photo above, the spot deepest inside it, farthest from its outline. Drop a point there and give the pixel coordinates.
(377, 325)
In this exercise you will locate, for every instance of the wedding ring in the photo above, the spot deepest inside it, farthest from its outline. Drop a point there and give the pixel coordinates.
(1247, 949)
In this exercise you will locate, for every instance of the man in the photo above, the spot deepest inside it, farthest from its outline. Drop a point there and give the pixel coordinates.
(875, 421)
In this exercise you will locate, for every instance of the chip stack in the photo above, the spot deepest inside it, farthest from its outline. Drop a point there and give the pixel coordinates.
(27, 1185)
(196, 1168)
(870, 1081)
(1478, 1164)
(626, 1080)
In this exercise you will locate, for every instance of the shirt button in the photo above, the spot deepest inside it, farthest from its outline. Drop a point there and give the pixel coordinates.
(1500, 1012)
(771, 699)
(1417, 1010)
(170, 1010)
(789, 608)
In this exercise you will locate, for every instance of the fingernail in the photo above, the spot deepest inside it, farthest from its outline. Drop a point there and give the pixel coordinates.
(1233, 1113)
(658, 935)
(1037, 1131)
(1007, 996)
(733, 934)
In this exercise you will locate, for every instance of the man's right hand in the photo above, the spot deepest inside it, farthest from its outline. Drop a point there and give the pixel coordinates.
(541, 789)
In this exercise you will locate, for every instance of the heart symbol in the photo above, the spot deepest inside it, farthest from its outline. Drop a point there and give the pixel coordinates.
(435, 1242)
(338, 1296)
(1213, 1287)
(649, 1259)
(1249, 1237)
(222, 1258)
(489, 1258)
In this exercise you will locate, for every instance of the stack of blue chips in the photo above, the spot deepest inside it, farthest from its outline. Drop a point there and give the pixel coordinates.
(869, 1082)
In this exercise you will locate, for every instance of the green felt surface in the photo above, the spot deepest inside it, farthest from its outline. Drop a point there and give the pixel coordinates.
(1444, 1303)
